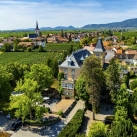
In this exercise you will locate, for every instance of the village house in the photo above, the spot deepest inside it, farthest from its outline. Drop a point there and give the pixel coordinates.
(39, 42)
(51, 39)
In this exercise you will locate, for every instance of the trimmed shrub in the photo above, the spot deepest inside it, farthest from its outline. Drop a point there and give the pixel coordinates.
(73, 126)
(31, 122)
(80, 135)
(133, 84)
(60, 113)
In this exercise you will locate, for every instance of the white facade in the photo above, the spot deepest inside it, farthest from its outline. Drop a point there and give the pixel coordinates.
(42, 43)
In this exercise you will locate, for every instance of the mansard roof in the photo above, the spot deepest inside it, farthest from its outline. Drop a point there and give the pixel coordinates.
(99, 46)
(76, 58)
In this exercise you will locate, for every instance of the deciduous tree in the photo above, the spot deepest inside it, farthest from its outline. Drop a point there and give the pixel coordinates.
(5, 87)
(29, 100)
(92, 72)
(42, 74)
(81, 89)
(112, 78)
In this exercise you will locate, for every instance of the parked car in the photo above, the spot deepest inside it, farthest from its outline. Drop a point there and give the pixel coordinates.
(16, 125)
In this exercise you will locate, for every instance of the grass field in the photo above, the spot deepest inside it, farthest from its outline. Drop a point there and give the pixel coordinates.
(20, 34)
(60, 46)
(28, 57)
(126, 34)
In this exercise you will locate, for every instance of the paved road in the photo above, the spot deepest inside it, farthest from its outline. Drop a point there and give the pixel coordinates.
(48, 131)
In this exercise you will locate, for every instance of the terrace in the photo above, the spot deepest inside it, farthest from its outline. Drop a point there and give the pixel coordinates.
(64, 106)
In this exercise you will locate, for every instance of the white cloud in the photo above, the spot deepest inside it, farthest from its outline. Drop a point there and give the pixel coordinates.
(21, 14)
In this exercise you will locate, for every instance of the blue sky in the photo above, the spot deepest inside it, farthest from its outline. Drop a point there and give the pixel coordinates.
(15, 14)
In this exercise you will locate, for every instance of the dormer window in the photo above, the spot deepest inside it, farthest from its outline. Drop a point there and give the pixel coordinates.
(67, 57)
(86, 56)
(82, 58)
(69, 61)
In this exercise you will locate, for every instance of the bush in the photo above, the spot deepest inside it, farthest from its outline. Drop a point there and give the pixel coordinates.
(73, 126)
(41, 122)
(80, 135)
(60, 113)
(47, 109)
(29, 49)
(132, 74)
(133, 84)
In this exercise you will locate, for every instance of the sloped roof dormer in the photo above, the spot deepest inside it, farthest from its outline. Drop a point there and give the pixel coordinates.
(86, 56)
(82, 58)
(69, 61)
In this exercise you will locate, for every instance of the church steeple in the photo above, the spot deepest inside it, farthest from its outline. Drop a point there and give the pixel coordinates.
(37, 25)
(37, 30)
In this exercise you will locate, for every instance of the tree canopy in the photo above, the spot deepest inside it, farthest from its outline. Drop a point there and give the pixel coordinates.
(5, 87)
(93, 73)
(112, 78)
(29, 99)
(81, 89)
(42, 74)
(97, 129)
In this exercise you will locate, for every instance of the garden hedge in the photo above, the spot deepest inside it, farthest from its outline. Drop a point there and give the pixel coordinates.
(72, 128)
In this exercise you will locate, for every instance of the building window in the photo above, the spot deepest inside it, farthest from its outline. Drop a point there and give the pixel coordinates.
(97, 54)
(73, 77)
(65, 70)
(66, 76)
(72, 85)
(73, 71)
(65, 85)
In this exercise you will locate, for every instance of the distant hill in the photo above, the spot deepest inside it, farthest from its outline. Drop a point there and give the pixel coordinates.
(130, 23)
(50, 28)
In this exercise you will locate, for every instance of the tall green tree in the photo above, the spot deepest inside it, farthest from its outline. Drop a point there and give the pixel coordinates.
(112, 79)
(93, 73)
(5, 87)
(81, 89)
(134, 102)
(54, 67)
(17, 72)
(62, 33)
(7, 47)
(123, 104)
(122, 129)
(42, 74)
(29, 100)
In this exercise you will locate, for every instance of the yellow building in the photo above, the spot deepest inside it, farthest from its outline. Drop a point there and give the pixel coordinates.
(72, 65)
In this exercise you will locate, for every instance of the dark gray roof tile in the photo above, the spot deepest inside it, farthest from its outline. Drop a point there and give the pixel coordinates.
(99, 46)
